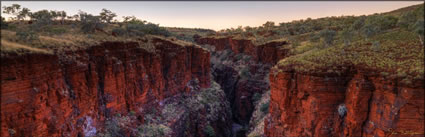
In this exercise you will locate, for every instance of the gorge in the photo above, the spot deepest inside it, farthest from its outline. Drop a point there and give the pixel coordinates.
(275, 81)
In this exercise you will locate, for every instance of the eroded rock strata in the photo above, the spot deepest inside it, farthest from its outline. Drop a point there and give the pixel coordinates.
(185, 90)
(269, 52)
(352, 104)
(241, 68)
(46, 95)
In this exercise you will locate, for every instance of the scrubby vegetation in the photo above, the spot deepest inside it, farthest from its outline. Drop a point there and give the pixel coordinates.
(188, 34)
(389, 43)
(180, 108)
(209, 131)
(259, 116)
(56, 31)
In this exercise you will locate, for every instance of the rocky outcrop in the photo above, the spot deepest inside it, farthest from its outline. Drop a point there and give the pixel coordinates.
(352, 104)
(270, 52)
(47, 95)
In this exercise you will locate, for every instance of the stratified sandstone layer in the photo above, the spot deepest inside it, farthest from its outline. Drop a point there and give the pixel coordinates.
(353, 104)
(46, 95)
(270, 52)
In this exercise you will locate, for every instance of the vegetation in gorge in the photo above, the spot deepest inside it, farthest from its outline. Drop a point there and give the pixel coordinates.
(176, 108)
(259, 115)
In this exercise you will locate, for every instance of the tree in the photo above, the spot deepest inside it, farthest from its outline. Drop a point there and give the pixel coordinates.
(268, 25)
(328, 36)
(76, 17)
(54, 14)
(62, 15)
(42, 17)
(13, 10)
(127, 18)
(248, 29)
(239, 29)
(419, 29)
(107, 16)
(90, 23)
(133, 20)
(25, 12)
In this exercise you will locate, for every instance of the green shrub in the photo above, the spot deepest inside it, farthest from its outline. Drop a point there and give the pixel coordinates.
(369, 30)
(4, 24)
(139, 29)
(406, 20)
(119, 32)
(347, 36)
(56, 31)
(153, 130)
(376, 46)
(314, 37)
(419, 29)
(358, 24)
(328, 36)
(112, 129)
(256, 97)
(26, 35)
(265, 107)
(245, 73)
(11, 131)
(12, 27)
(209, 131)
(132, 113)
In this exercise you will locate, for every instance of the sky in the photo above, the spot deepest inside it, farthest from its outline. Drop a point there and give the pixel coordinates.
(218, 15)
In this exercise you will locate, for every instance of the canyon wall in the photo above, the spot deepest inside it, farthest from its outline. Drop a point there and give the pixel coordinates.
(72, 94)
(269, 53)
(353, 104)
(241, 68)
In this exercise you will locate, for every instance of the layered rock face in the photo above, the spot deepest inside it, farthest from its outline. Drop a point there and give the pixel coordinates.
(353, 104)
(241, 68)
(47, 95)
(200, 113)
(269, 53)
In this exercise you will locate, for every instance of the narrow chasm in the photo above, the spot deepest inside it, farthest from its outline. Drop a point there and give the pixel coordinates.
(245, 84)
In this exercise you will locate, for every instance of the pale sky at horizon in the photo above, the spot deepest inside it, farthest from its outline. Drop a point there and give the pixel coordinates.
(219, 15)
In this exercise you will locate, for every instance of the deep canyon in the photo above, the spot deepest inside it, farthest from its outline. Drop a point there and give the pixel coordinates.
(213, 86)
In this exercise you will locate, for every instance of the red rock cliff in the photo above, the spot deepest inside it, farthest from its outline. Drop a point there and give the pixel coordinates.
(44, 95)
(354, 105)
(270, 52)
